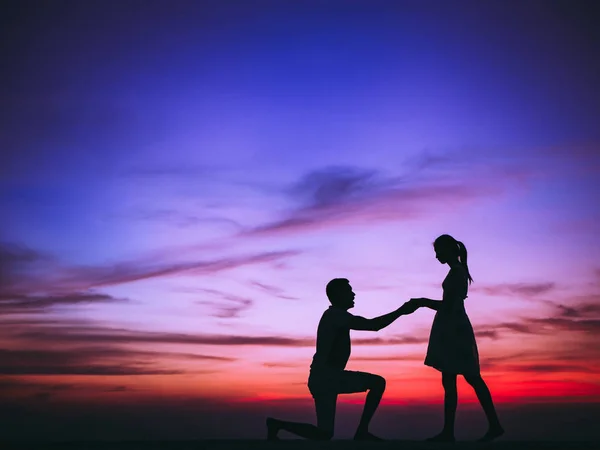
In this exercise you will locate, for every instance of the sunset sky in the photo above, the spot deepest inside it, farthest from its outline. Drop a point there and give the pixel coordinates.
(179, 181)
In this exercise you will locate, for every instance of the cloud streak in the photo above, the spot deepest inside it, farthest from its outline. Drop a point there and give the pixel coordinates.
(229, 305)
(76, 362)
(272, 290)
(582, 318)
(129, 272)
(20, 304)
(98, 360)
(337, 196)
(179, 219)
(22, 282)
(517, 289)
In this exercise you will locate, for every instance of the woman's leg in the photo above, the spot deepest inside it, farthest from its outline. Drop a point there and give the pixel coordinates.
(450, 403)
(485, 398)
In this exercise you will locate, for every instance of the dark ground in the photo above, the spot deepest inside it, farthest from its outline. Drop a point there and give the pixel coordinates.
(296, 444)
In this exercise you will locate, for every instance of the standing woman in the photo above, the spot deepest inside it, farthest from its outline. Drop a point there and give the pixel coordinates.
(452, 347)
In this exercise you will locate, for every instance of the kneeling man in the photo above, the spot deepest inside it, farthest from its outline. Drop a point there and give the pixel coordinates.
(328, 376)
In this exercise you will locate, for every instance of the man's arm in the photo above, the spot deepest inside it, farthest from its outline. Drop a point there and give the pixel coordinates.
(436, 305)
(377, 323)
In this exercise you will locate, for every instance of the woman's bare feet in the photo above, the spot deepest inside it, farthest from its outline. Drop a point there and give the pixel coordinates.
(442, 437)
(272, 429)
(366, 436)
(492, 434)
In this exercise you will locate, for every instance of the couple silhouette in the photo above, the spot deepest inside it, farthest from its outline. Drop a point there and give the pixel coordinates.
(452, 350)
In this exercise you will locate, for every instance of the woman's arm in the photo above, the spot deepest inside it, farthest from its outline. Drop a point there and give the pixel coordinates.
(455, 288)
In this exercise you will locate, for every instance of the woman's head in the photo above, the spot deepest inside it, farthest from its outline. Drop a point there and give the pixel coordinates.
(446, 249)
(449, 250)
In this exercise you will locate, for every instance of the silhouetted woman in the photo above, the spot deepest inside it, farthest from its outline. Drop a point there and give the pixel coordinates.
(452, 347)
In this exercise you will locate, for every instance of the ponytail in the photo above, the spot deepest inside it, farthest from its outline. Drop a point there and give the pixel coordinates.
(462, 254)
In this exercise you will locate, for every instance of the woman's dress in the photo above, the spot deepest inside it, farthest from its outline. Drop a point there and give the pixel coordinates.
(452, 347)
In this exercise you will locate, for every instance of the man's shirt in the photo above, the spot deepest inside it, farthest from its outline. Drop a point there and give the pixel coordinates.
(333, 340)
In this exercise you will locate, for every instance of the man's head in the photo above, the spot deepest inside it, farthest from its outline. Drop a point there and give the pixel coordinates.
(340, 294)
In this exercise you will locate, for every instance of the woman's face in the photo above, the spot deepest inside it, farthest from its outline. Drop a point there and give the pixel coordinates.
(441, 254)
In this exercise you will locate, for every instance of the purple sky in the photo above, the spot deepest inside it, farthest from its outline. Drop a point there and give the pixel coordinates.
(176, 175)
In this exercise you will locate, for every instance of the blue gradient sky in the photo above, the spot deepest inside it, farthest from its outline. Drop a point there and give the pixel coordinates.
(175, 174)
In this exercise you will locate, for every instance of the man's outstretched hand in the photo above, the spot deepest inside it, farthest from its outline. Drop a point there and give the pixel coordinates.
(409, 307)
(418, 301)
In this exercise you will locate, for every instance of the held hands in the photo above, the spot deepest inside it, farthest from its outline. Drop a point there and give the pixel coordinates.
(408, 307)
(419, 302)
(412, 305)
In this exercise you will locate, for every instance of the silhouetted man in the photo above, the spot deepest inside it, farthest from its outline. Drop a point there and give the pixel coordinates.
(328, 376)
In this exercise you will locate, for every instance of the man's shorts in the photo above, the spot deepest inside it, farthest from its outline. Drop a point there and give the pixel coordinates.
(331, 381)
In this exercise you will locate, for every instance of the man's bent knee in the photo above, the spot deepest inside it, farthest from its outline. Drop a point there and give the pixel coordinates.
(377, 383)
